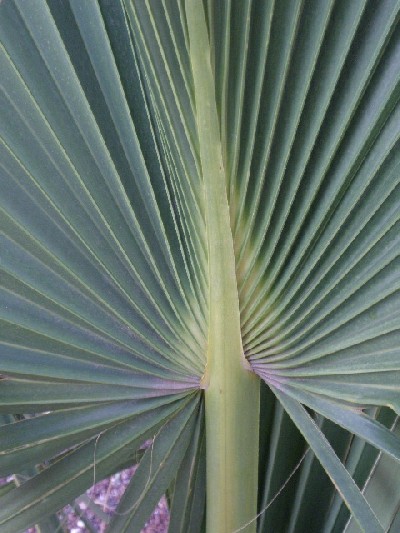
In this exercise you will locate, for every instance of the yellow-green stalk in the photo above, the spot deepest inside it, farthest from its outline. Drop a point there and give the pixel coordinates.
(231, 389)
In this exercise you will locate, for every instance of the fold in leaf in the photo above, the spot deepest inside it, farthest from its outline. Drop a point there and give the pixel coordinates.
(82, 467)
(156, 469)
(344, 483)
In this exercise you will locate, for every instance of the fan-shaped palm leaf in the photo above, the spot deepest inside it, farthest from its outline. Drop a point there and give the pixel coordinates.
(196, 195)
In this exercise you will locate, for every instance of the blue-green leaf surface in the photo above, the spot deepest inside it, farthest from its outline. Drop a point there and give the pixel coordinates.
(104, 274)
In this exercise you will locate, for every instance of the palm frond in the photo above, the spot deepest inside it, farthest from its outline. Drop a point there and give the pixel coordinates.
(182, 179)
